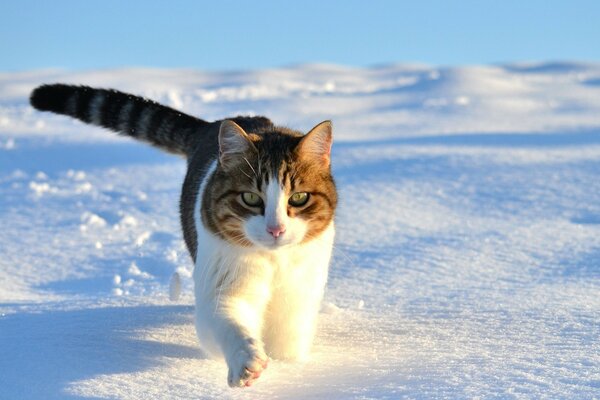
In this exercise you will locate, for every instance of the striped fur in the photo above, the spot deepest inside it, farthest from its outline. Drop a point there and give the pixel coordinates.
(124, 113)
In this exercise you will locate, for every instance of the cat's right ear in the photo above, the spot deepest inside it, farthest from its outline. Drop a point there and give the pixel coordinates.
(233, 143)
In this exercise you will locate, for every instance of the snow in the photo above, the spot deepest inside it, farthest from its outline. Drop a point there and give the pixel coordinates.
(466, 265)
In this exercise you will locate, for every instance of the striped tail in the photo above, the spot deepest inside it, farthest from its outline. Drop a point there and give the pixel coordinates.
(124, 113)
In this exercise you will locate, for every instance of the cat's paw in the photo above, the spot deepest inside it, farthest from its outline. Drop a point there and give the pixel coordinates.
(246, 365)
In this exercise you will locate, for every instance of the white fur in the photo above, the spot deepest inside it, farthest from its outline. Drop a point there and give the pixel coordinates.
(275, 215)
(254, 302)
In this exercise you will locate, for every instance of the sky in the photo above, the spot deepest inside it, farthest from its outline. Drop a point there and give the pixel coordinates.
(230, 35)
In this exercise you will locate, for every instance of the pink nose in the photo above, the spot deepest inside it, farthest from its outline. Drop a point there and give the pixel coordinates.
(276, 231)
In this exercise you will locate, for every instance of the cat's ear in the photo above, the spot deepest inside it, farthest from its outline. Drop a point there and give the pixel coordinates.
(233, 142)
(316, 144)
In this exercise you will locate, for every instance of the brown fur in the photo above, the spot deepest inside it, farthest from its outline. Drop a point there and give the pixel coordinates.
(275, 154)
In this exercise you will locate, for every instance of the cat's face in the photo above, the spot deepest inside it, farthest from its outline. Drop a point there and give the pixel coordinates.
(271, 190)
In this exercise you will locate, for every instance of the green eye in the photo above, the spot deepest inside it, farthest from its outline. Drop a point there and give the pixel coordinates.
(298, 199)
(251, 199)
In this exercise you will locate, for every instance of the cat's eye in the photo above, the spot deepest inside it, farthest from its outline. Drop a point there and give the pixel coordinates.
(251, 199)
(298, 199)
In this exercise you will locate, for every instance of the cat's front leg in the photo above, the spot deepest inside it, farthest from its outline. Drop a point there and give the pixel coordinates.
(240, 337)
(246, 363)
(232, 317)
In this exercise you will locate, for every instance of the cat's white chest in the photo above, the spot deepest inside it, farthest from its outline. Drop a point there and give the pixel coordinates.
(276, 295)
(225, 268)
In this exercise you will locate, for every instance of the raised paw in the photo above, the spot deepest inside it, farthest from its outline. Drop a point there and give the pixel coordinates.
(246, 365)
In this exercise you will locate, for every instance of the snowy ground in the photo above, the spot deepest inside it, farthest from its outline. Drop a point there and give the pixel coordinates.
(467, 262)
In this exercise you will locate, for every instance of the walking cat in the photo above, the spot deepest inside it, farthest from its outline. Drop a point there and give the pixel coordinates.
(257, 208)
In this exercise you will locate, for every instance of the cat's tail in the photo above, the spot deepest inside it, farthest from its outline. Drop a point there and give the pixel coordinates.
(124, 113)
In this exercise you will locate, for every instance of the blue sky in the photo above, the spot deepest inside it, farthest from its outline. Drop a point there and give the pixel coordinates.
(256, 34)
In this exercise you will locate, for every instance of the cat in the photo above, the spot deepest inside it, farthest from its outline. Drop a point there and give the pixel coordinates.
(257, 213)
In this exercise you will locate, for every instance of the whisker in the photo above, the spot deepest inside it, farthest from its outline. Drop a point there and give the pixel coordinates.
(259, 165)
(250, 165)
(228, 234)
(244, 172)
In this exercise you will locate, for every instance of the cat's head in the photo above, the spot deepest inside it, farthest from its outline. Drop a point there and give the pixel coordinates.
(271, 189)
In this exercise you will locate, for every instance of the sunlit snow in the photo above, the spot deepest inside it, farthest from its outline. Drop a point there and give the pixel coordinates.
(467, 260)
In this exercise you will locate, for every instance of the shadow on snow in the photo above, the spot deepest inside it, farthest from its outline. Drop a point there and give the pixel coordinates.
(43, 353)
(492, 139)
(34, 155)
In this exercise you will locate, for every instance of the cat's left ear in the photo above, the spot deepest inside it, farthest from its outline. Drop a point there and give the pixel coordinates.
(233, 143)
(316, 144)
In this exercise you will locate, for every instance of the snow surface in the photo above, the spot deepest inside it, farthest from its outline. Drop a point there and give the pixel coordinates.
(467, 261)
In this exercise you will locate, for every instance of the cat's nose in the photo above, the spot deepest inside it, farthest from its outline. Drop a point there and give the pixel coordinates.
(276, 230)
